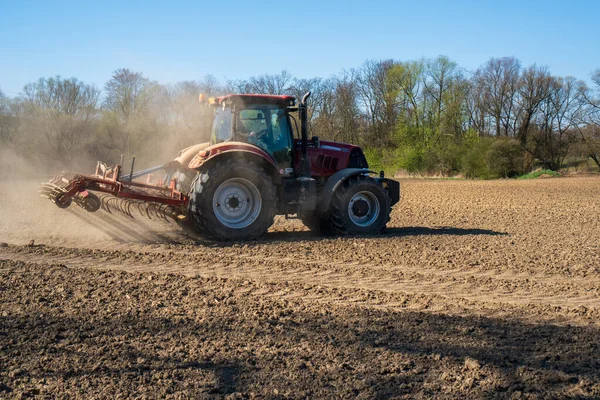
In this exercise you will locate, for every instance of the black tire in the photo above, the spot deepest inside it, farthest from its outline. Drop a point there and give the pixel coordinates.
(318, 225)
(61, 204)
(255, 197)
(360, 206)
(91, 203)
(184, 180)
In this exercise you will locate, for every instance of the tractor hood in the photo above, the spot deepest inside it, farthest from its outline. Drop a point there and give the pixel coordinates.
(337, 146)
(326, 157)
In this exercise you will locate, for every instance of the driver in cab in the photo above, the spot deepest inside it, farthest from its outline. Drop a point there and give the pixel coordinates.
(252, 127)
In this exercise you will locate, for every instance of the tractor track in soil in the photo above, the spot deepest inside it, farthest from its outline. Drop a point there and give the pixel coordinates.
(339, 282)
(461, 264)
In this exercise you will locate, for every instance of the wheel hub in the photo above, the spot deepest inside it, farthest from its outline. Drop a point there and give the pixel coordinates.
(237, 203)
(233, 202)
(360, 208)
(363, 208)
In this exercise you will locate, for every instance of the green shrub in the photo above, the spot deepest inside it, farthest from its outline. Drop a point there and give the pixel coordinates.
(411, 159)
(444, 159)
(374, 157)
(537, 174)
(478, 157)
(385, 159)
(505, 158)
(473, 161)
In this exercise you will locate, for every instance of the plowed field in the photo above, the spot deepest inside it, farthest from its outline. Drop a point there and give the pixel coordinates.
(477, 289)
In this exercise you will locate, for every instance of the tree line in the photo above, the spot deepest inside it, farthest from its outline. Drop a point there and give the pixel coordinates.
(424, 116)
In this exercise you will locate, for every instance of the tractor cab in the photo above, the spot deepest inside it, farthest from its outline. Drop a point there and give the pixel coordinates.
(262, 121)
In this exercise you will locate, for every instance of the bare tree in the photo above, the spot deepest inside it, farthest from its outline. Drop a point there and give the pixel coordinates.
(475, 108)
(454, 120)
(192, 121)
(3, 102)
(128, 93)
(346, 113)
(439, 77)
(10, 110)
(184, 105)
(136, 111)
(589, 127)
(534, 88)
(557, 122)
(590, 138)
(265, 84)
(210, 86)
(591, 96)
(499, 81)
(62, 110)
(320, 90)
(406, 78)
(379, 99)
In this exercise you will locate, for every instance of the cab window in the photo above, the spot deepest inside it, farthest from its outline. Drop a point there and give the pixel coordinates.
(267, 127)
(251, 121)
(221, 129)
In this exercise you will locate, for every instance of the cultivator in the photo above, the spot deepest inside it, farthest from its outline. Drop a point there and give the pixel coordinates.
(119, 193)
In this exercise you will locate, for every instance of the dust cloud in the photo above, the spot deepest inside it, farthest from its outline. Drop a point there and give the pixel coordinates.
(26, 216)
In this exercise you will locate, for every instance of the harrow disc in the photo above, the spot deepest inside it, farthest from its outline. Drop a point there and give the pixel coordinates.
(53, 193)
(91, 203)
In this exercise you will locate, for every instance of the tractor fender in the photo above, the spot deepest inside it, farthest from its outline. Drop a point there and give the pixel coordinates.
(334, 182)
(185, 156)
(263, 161)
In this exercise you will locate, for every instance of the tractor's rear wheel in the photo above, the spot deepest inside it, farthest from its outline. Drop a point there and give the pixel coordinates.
(360, 206)
(232, 200)
(184, 180)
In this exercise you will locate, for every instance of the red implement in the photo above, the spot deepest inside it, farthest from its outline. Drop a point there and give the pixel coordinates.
(149, 198)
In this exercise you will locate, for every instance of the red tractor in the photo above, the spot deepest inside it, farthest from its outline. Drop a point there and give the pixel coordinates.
(256, 165)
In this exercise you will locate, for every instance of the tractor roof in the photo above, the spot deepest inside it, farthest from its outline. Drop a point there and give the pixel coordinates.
(256, 99)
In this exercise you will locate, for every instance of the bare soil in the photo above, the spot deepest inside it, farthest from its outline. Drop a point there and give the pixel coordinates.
(477, 289)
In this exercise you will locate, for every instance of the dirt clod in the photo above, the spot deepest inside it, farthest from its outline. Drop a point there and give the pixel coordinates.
(472, 364)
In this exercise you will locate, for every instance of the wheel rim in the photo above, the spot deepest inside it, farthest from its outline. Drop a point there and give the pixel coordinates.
(363, 208)
(237, 203)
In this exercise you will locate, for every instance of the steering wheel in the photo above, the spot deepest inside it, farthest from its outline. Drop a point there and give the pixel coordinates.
(259, 134)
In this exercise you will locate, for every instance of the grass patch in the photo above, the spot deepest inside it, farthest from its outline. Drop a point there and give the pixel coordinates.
(537, 174)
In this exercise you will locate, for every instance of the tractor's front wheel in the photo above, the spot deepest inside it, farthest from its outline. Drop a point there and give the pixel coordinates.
(360, 206)
(232, 200)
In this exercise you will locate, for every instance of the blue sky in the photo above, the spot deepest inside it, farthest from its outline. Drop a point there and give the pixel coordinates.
(170, 41)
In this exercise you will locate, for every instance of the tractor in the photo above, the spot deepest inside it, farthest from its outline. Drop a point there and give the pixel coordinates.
(258, 164)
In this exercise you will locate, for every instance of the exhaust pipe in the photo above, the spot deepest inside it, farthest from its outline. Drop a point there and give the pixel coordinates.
(303, 110)
(307, 184)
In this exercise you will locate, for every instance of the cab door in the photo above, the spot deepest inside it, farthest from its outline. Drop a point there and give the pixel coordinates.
(267, 127)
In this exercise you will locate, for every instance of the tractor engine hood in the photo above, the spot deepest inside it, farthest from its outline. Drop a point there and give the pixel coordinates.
(336, 146)
(326, 157)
